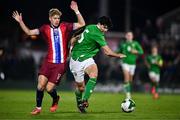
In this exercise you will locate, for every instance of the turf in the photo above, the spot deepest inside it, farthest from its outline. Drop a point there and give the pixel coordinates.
(17, 104)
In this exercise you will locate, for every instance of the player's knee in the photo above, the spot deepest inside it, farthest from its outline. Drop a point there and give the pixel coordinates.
(41, 86)
(81, 89)
(93, 75)
(49, 89)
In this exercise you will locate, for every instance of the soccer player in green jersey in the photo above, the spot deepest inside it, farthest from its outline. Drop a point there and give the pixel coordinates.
(85, 47)
(131, 49)
(154, 62)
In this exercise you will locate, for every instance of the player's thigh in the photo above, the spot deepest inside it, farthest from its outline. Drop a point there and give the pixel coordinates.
(80, 86)
(56, 73)
(92, 71)
(154, 77)
(77, 70)
(131, 71)
(125, 69)
(90, 68)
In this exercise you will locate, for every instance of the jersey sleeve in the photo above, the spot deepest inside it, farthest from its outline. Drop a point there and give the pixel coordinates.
(139, 48)
(41, 29)
(69, 26)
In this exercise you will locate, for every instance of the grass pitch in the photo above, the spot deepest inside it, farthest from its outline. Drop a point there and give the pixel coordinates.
(17, 104)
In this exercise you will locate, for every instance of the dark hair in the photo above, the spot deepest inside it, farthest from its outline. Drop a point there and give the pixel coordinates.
(104, 20)
(78, 31)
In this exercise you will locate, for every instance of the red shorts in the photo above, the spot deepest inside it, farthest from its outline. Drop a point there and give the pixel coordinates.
(53, 71)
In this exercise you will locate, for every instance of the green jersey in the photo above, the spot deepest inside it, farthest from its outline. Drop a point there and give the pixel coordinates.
(126, 47)
(152, 60)
(90, 42)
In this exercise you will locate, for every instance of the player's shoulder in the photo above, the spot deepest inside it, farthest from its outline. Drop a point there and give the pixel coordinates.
(44, 27)
(91, 26)
(95, 30)
(65, 23)
(135, 41)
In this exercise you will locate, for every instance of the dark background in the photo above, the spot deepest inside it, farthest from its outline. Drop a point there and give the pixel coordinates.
(35, 12)
(19, 64)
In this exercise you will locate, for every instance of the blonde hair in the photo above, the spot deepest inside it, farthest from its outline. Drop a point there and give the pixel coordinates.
(54, 11)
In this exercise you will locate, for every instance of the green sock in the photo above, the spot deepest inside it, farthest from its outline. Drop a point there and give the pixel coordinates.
(78, 95)
(127, 87)
(157, 87)
(89, 88)
(153, 84)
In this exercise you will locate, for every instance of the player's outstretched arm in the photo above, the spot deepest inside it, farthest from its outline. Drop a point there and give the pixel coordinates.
(107, 51)
(81, 21)
(18, 17)
(72, 41)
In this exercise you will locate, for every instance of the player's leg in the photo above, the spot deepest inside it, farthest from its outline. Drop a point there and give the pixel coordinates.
(42, 81)
(56, 73)
(92, 72)
(79, 91)
(127, 85)
(153, 86)
(156, 84)
(129, 81)
(76, 68)
(53, 93)
(152, 77)
(131, 72)
(156, 94)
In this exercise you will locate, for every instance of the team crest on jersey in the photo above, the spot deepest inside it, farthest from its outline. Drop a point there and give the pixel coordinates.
(129, 48)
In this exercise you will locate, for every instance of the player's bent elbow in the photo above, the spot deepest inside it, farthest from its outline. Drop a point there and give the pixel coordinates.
(108, 53)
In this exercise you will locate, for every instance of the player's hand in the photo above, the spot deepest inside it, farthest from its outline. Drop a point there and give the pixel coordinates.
(17, 16)
(159, 63)
(74, 6)
(133, 51)
(122, 56)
